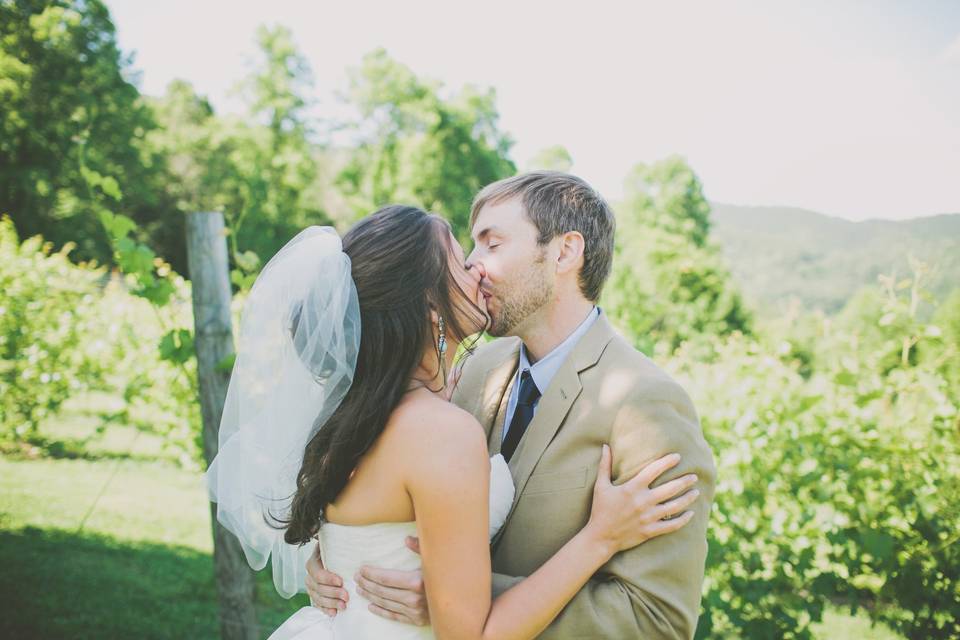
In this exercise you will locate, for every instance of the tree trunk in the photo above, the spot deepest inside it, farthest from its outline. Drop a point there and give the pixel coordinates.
(207, 263)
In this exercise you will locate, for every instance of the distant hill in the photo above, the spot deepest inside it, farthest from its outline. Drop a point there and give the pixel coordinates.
(778, 253)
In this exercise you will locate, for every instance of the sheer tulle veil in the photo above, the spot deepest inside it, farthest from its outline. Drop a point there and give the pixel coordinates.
(296, 355)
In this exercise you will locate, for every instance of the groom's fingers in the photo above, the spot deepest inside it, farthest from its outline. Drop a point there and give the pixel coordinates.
(407, 600)
(326, 610)
(397, 606)
(326, 596)
(325, 588)
(402, 580)
(400, 600)
(326, 602)
(413, 543)
(383, 603)
(330, 606)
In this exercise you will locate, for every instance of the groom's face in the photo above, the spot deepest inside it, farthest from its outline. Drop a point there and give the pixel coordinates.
(516, 276)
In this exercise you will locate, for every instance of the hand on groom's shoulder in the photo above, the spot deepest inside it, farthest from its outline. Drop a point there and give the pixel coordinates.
(662, 578)
(626, 400)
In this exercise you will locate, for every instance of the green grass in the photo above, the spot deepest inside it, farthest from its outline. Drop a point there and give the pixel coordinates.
(136, 562)
(60, 585)
(140, 567)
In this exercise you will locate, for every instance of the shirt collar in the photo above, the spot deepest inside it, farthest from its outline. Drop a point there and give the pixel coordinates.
(546, 367)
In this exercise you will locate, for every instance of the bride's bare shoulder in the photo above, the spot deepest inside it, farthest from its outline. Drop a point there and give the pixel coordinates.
(433, 431)
(426, 415)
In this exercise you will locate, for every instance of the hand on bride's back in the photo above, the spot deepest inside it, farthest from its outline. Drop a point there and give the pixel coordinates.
(325, 588)
(628, 514)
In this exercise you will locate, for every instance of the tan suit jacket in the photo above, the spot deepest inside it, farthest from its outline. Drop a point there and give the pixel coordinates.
(605, 392)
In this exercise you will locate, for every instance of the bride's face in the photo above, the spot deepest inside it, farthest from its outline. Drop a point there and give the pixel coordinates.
(468, 280)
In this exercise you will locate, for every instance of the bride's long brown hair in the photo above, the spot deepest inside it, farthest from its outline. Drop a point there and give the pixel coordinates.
(400, 265)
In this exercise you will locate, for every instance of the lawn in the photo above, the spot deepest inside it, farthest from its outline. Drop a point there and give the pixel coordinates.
(135, 562)
(112, 544)
(140, 567)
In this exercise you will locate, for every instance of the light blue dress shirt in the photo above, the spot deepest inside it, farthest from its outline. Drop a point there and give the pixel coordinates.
(546, 367)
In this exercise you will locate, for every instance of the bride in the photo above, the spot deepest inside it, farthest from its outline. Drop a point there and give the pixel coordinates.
(337, 428)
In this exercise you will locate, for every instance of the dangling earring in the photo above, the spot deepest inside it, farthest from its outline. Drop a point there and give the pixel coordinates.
(442, 348)
(442, 343)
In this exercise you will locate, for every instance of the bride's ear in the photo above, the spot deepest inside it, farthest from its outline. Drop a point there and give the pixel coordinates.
(434, 316)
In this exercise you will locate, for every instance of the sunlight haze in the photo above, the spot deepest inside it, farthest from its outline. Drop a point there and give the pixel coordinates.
(851, 110)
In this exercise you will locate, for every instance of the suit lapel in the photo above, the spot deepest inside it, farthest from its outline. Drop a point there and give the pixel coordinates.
(495, 437)
(495, 396)
(551, 410)
(554, 406)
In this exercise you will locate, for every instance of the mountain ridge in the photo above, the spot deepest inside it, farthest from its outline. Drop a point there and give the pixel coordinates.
(779, 253)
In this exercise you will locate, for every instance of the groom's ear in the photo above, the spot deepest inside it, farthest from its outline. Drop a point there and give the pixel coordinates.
(571, 252)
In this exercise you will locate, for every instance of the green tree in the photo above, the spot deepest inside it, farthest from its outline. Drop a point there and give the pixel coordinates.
(669, 283)
(65, 92)
(279, 163)
(419, 148)
(260, 171)
(669, 196)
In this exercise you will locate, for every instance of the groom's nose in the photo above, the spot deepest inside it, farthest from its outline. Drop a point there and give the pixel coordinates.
(476, 264)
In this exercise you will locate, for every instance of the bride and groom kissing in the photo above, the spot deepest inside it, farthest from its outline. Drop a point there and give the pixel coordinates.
(355, 451)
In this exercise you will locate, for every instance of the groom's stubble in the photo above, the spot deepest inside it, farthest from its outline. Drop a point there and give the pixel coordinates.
(522, 296)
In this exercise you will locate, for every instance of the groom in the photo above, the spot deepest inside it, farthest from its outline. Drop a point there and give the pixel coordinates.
(559, 383)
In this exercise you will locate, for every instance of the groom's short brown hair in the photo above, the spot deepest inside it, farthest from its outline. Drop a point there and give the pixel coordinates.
(556, 203)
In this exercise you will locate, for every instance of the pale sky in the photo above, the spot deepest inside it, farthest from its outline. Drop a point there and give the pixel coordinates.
(847, 108)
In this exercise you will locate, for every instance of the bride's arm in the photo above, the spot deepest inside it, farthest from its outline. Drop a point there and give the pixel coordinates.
(450, 496)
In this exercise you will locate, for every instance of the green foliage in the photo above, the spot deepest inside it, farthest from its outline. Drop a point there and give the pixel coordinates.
(669, 284)
(668, 195)
(65, 332)
(842, 486)
(257, 172)
(418, 148)
(837, 440)
(276, 90)
(942, 348)
(260, 171)
(274, 165)
(47, 316)
(62, 85)
(169, 392)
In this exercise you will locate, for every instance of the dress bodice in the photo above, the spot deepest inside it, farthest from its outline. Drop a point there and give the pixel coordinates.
(344, 549)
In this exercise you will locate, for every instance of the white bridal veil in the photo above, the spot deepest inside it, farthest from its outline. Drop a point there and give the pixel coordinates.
(297, 351)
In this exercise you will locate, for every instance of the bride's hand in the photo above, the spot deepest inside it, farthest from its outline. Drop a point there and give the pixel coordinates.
(629, 514)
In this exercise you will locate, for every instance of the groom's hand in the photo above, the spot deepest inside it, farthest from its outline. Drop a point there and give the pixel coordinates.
(325, 589)
(395, 595)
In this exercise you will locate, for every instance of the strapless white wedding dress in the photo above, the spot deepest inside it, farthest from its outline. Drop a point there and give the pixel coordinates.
(344, 549)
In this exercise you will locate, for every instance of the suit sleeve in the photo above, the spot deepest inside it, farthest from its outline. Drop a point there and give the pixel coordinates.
(653, 590)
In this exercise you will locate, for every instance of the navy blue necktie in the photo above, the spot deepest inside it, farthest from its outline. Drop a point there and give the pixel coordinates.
(527, 398)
